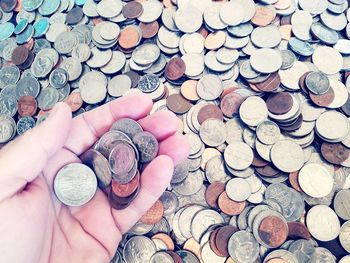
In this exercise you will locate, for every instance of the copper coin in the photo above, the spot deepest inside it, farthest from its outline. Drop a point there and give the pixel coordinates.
(293, 180)
(120, 203)
(286, 31)
(228, 91)
(125, 190)
(323, 100)
(297, 230)
(175, 69)
(279, 103)
(18, 7)
(302, 83)
(8, 5)
(132, 10)
(231, 103)
(268, 170)
(272, 83)
(176, 257)
(203, 31)
(154, 214)
(213, 192)
(215, 40)
(273, 231)
(74, 101)
(335, 153)
(166, 239)
(149, 30)
(222, 238)
(282, 4)
(193, 246)
(26, 64)
(209, 112)
(74, 16)
(189, 90)
(276, 260)
(30, 44)
(97, 20)
(19, 55)
(122, 159)
(134, 76)
(229, 206)
(292, 127)
(264, 15)
(212, 242)
(27, 106)
(258, 161)
(129, 37)
(178, 104)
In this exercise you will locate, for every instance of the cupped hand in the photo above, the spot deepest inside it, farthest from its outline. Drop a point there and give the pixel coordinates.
(35, 226)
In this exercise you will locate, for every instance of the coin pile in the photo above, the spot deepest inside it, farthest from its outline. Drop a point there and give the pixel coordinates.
(115, 160)
(261, 89)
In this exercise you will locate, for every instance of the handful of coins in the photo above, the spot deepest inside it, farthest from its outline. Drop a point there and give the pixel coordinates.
(115, 160)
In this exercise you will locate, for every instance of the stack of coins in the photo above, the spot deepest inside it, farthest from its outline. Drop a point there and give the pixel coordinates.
(261, 89)
(115, 160)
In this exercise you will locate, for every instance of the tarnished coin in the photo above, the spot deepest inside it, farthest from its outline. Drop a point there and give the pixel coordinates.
(147, 145)
(75, 184)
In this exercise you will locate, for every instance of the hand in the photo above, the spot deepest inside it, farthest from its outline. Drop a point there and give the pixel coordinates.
(35, 226)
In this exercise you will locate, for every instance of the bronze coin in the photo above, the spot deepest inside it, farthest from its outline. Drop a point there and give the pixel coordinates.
(228, 91)
(279, 103)
(229, 206)
(283, 4)
(297, 230)
(154, 214)
(272, 83)
(323, 100)
(129, 37)
(125, 190)
(212, 243)
(294, 126)
(222, 238)
(74, 16)
(74, 101)
(268, 170)
(149, 30)
(293, 180)
(302, 83)
(335, 153)
(8, 5)
(286, 32)
(264, 15)
(193, 246)
(273, 231)
(132, 10)
(213, 192)
(26, 64)
(134, 76)
(120, 203)
(176, 257)
(166, 239)
(276, 260)
(230, 104)
(175, 69)
(19, 55)
(178, 104)
(189, 90)
(209, 112)
(27, 106)
(258, 161)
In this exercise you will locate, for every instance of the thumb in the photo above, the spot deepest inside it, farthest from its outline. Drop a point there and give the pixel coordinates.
(22, 160)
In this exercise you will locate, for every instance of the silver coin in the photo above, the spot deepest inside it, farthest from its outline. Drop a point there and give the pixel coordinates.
(327, 121)
(232, 13)
(341, 205)
(152, 10)
(258, 60)
(75, 184)
(139, 249)
(209, 87)
(287, 156)
(119, 85)
(238, 244)
(203, 220)
(268, 132)
(213, 132)
(344, 236)
(188, 19)
(323, 223)
(253, 111)
(238, 189)
(238, 155)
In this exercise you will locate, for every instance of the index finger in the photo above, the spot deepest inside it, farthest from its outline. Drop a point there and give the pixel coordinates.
(89, 126)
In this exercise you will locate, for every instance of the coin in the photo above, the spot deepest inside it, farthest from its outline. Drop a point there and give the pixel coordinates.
(147, 145)
(75, 184)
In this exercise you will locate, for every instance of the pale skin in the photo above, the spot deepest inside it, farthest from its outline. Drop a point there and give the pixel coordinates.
(35, 226)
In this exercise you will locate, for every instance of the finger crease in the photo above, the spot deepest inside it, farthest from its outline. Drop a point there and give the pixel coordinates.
(91, 127)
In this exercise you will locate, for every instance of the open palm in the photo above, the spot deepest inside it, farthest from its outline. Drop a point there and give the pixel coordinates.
(35, 226)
